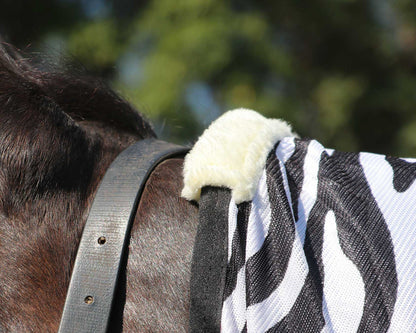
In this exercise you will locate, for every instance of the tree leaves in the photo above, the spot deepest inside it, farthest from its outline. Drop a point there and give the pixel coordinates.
(340, 71)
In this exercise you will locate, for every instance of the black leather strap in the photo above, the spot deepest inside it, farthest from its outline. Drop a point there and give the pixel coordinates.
(94, 277)
(209, 261)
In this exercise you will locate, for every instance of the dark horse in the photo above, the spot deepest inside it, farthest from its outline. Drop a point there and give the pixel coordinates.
(58, 135)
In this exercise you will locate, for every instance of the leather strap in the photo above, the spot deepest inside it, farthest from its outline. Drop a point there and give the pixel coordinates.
(105, 236)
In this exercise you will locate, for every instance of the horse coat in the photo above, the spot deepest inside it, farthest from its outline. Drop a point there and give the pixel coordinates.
(316, 240)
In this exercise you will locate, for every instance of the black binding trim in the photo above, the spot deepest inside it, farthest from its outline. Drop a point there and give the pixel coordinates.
(209, 261)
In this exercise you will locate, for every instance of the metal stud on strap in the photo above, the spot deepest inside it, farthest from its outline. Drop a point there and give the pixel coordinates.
(94, 277)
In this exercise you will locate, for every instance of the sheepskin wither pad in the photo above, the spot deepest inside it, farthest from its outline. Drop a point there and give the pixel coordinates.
(323, 241)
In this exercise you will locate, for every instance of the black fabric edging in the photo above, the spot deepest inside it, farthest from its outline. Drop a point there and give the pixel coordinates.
(209, 261)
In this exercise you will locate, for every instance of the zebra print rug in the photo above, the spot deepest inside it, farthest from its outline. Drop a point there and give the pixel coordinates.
(327, 243)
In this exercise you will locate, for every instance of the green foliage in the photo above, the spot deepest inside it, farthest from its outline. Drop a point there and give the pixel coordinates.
(341, 71)
(335, 98)
(95, 44)
(407, 136)
(193, 41)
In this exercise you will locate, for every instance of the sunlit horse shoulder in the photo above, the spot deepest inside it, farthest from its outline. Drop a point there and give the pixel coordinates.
(58, 135)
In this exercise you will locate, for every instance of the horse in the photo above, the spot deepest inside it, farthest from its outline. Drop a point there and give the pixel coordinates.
(334, 249)
(59, 132)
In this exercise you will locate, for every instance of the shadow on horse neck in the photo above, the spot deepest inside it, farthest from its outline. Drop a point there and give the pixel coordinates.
(58, 135)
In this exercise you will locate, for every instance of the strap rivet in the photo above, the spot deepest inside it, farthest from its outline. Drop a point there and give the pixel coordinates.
(102, 240)
(89, 300)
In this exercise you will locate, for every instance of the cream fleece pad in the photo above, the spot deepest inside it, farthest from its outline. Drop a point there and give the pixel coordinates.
(232, 153)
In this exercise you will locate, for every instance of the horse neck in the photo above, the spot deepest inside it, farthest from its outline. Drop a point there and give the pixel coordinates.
(38, 249)
(40, 229)
(159, 258)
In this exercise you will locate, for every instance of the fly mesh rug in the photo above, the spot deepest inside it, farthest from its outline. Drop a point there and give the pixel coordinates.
(307, 239)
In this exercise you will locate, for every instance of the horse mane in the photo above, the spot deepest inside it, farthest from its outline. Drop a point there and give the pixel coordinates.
(75, 116)
(59, 131)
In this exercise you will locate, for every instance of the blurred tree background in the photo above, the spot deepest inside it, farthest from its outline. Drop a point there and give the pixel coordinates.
(341, 71)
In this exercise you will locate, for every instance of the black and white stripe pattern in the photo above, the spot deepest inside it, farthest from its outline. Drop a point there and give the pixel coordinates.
(328, 244)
